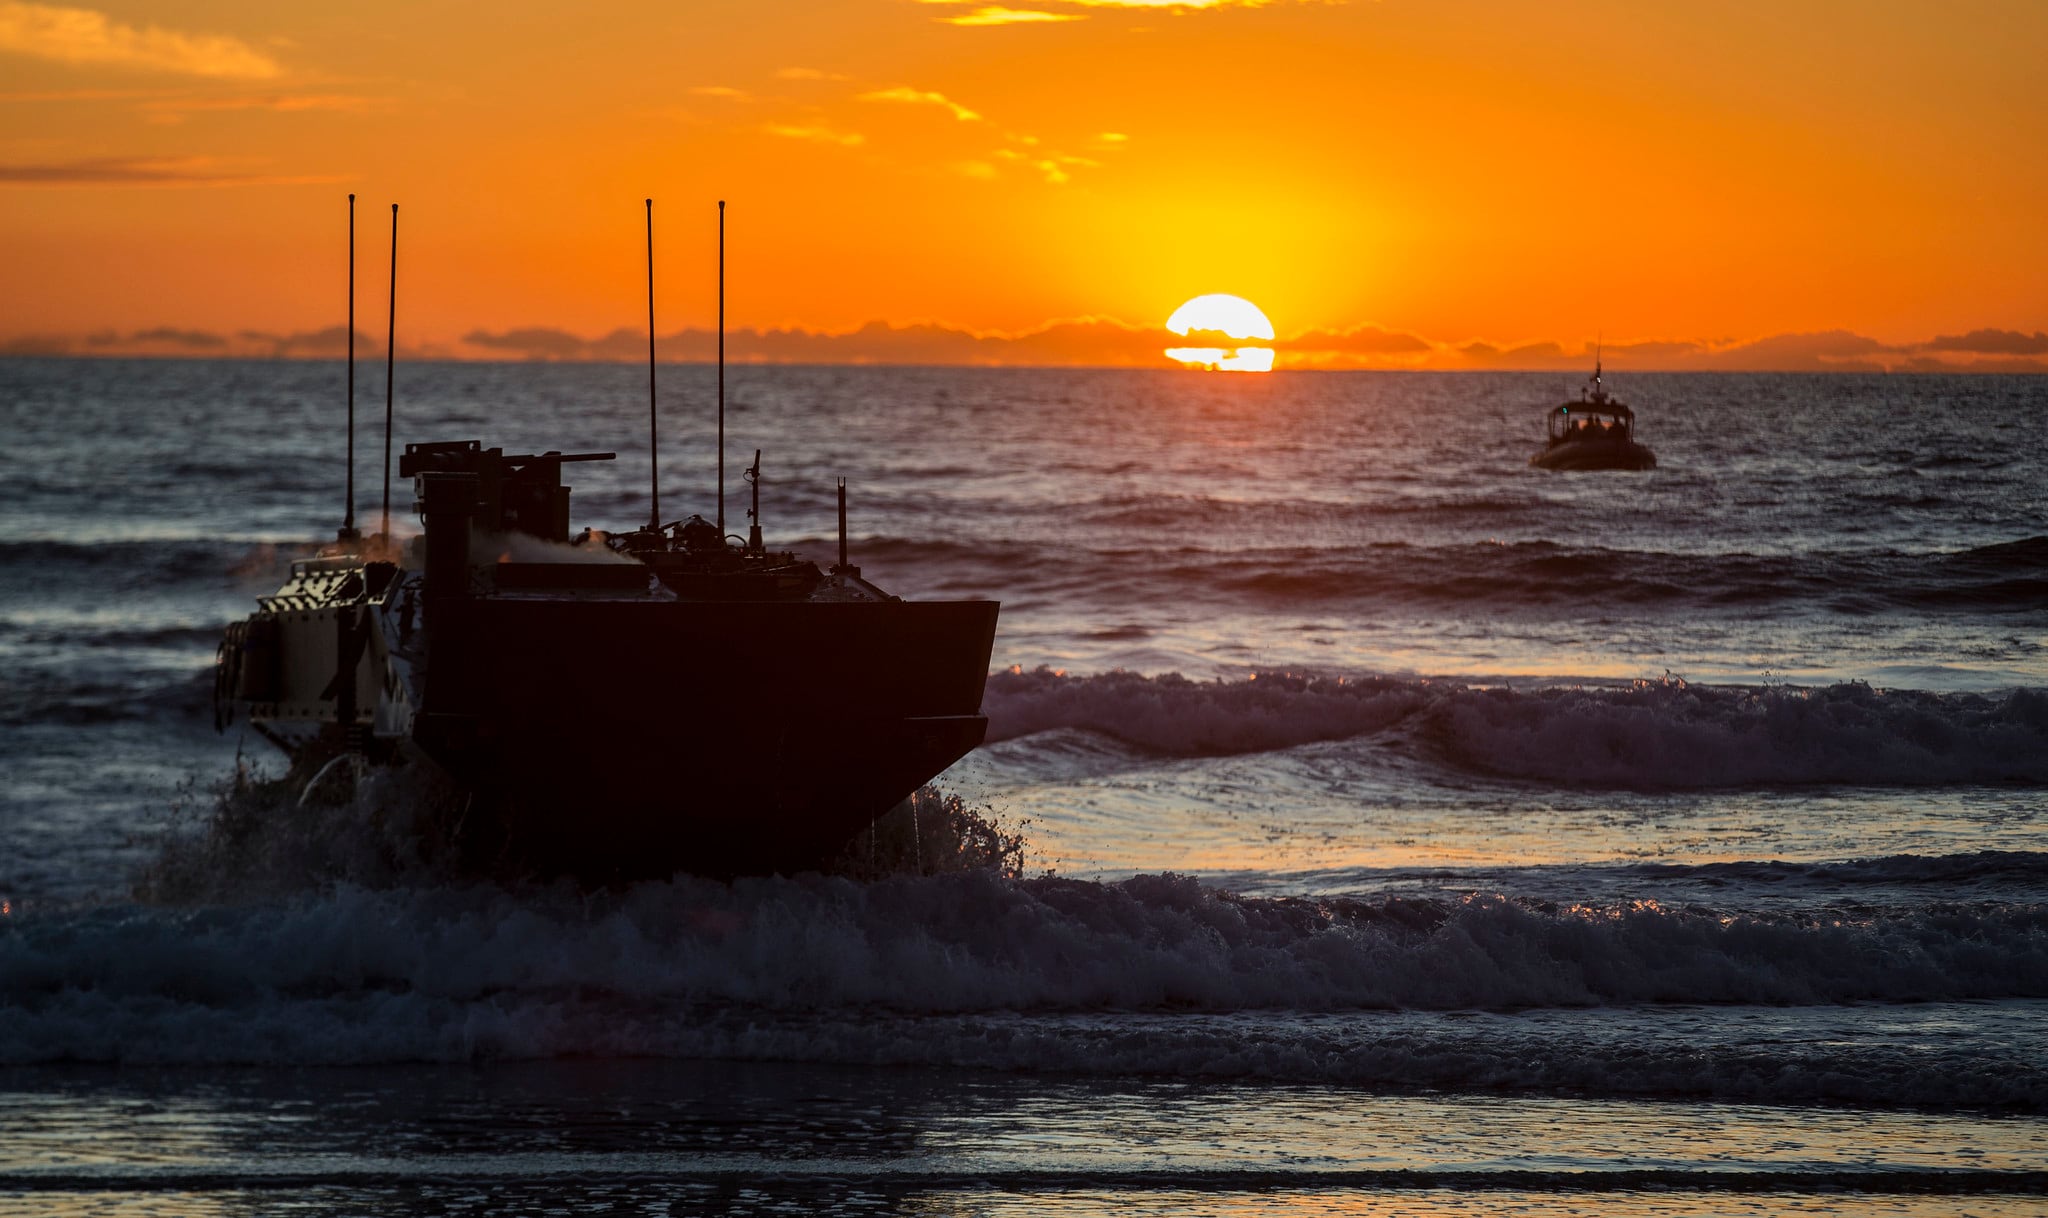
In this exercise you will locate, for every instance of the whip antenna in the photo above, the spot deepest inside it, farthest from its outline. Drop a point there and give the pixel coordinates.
(390, 366)
(653, 434)
(753, 476)
(721, 367)
(348, 512)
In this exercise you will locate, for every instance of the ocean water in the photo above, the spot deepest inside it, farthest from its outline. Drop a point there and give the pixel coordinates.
(1411, 831)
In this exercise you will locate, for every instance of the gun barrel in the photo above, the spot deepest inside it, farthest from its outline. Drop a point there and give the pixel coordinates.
(530, 458)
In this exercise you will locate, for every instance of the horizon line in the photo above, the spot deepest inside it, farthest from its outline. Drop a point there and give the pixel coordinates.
(1981, 368)
(1089, 342)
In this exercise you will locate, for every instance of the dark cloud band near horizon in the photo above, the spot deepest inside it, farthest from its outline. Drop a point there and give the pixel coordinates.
(1088, 342)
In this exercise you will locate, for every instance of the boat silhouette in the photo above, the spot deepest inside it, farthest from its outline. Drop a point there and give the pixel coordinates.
(1596, 432)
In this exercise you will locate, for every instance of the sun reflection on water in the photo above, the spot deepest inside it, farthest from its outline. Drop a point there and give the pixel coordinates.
(1224, 359)
(1218, 326)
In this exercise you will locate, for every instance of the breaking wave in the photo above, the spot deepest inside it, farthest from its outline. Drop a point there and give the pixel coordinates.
(1172, 714)
(1652, 735)
(1950, 871)
(1514, 578)
(692, 967)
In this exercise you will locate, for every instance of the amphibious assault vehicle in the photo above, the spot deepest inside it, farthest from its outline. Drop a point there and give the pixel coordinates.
(661, 700)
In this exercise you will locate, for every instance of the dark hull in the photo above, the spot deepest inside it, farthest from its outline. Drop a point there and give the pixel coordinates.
(633, 739)
(1595, 454)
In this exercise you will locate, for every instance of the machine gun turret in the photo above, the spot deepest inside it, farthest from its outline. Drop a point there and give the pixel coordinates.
(519, 493)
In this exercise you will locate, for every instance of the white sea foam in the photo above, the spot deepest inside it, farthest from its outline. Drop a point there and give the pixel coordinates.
(437, 974)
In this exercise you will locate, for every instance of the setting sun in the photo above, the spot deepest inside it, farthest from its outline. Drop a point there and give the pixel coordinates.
(1222, 316)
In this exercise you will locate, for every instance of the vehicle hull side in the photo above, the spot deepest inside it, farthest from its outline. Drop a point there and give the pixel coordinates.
(714, 737)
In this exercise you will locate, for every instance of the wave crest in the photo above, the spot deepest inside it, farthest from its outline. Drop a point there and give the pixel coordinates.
(1172, 714)
(1653, 735)
(411, 974)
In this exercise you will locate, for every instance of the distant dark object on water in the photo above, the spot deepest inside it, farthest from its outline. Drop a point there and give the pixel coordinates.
(1595, 432)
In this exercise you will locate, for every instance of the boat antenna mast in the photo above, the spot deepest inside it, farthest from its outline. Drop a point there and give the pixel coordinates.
(844, 568)
(390, 367)
(753, 477)
(653, 432)
(348, 512)
(721, 368)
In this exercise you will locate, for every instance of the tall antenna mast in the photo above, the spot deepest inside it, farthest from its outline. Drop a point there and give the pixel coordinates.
(753, 476)
(348, 512)
(721, 367)
(390, 366)
(653, 434)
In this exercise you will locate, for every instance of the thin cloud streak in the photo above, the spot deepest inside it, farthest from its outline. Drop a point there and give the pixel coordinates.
(1193, 5)
(1053, 167)
(330, 343)
(993, 15)
(149, 171)
(81, 95)
(177, 109)
(84, 36)
(174, 105)
(921, 97)
(1993, 342)
(820, 135)
(805, 123)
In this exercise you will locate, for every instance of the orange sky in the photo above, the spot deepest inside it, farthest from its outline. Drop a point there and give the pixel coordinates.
(1454, 169)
